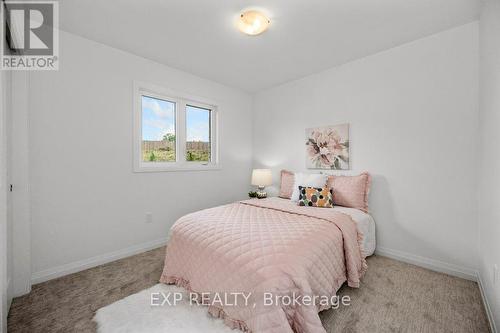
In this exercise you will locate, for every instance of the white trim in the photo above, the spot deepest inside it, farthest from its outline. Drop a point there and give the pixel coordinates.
(23, 288)
(180, 100)
(442, 267)
(432, 264)
(9, 295)
(489, 312)
(15, 34)
(4, 200)
(81, 265)
(21, 206)
(153, 88)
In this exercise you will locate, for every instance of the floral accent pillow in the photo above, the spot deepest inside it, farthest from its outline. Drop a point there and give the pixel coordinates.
(315, 197)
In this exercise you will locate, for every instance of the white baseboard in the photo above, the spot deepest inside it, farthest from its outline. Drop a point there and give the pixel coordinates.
(432, 264)
(22, 287)
(9, 293)
(487, 307)
(442, 267)
(52, 273)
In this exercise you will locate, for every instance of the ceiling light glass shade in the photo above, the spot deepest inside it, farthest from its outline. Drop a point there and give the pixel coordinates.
(253, 22)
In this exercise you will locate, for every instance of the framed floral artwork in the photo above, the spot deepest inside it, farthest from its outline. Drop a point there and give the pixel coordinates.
(328, 147)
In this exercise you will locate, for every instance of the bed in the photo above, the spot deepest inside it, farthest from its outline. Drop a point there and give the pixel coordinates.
(270, 246)
(365, 224)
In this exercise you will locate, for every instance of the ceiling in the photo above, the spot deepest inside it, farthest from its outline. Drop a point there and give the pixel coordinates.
(305, 36)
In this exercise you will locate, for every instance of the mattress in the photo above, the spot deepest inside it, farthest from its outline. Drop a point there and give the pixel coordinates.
(366, 225)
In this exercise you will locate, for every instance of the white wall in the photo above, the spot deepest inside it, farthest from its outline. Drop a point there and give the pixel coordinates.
(489, 115)
(414, 127)
(85, 199)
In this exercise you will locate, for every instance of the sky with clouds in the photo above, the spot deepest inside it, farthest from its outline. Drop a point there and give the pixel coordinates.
(158, 119)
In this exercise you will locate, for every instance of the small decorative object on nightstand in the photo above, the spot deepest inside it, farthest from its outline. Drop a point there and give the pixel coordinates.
(261, 178)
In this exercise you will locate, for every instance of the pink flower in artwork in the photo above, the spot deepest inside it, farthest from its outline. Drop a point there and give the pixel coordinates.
(327, 149)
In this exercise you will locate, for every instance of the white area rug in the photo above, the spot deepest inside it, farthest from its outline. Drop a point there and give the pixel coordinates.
(135, 314)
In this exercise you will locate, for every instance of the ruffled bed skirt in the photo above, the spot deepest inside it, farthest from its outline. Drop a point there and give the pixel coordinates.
(214, 311)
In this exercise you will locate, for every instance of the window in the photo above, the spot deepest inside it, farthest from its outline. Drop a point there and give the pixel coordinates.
(173, 131)
(197, 134)
(158, 130)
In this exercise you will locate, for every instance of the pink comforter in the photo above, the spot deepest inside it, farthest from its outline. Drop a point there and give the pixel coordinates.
(261, 246)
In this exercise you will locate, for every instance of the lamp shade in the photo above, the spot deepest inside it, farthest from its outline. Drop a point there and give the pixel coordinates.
(262, 177)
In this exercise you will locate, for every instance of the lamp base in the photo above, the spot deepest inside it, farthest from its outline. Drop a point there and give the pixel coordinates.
(261, 194)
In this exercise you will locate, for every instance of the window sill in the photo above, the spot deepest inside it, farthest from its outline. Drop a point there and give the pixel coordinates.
(176, 168)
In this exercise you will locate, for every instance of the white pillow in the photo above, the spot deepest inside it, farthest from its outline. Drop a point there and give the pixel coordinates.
(307, 179)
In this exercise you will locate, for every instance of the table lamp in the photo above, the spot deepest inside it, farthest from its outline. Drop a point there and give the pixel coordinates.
(261, 178)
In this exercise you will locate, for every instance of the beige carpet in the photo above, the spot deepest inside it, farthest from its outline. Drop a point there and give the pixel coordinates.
(394, 297)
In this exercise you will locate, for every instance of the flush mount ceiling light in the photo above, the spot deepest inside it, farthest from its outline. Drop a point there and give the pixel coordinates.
(253, 22)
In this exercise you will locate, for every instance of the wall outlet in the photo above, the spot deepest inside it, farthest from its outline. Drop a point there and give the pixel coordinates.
(495, 274)
(149, 218)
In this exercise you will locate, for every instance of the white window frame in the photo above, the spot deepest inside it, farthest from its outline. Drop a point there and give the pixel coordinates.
(180, 100)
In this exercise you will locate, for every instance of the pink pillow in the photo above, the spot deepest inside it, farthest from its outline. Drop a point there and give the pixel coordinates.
(351, 191)
(287, 181)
